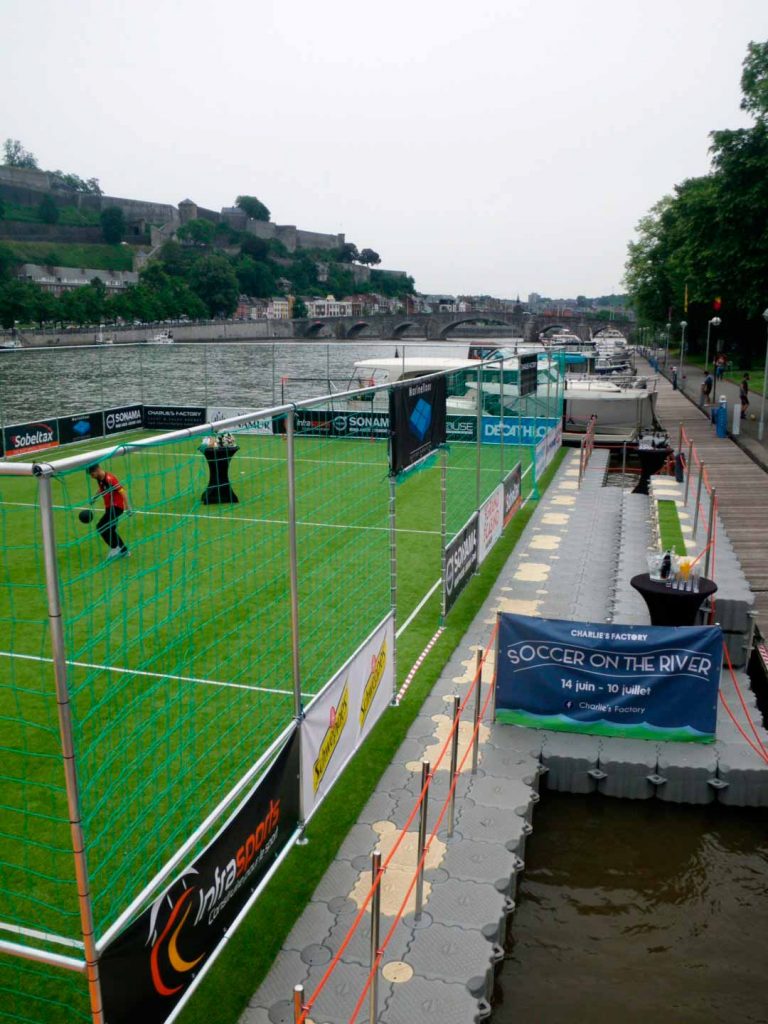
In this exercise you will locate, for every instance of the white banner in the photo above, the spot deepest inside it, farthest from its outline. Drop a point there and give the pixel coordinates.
(541, 457)
(339, 718)
(225, 412)
(491, 522)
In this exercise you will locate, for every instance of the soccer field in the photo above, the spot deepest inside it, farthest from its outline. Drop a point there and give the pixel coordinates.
(180, 669)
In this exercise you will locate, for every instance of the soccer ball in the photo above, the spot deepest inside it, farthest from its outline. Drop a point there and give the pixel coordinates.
(85, 515)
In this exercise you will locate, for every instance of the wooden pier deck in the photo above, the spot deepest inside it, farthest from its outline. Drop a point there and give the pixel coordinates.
(742, 486)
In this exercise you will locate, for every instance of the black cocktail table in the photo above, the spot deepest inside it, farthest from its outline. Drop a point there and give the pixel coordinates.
(670, 607)
(651, 461)
(219, 490)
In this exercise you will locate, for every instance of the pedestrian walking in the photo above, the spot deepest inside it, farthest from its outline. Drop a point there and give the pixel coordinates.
(744, 395)
(720, 367)
(674, 378)
(706, 390)
(116, 502)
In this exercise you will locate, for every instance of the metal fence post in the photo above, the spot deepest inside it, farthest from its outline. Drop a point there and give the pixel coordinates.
(422, 840)
(680, 437)
(688, 471)
(581, 460)
(501, 414)
(698, 499)
(393, 572)
(454, 763)
(479, 431)
(443, 526)
(624, 464)
(373, 995)
(59, 659)
(298, 999)
(710, 530)
(476, 716)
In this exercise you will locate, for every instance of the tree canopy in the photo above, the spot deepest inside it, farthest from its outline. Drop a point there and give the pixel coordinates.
(709, 240)
(16, 156)
(112, 224)
(253, 207)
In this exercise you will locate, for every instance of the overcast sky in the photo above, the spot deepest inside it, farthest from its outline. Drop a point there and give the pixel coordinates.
(485, 146)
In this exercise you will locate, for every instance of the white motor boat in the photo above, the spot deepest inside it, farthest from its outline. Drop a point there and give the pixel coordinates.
(10, 344)
(625, 408)
(161, 338)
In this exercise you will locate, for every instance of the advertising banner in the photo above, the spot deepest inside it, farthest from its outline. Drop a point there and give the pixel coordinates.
(339, 718)
(225, 412)
(460, 562)
(126, 417)
(31, 437)
(173, 417)
(529, 372)
(638, 682)
(417, 421)
(460, 428)
(517, 429)
(149, 968)
(490, 523)
(81, 428)
(512, 492)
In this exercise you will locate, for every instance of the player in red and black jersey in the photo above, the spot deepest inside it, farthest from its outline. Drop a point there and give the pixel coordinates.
(115, 503)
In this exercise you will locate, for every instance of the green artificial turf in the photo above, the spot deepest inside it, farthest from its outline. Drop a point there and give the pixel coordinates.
(670, 534)
(180, 668)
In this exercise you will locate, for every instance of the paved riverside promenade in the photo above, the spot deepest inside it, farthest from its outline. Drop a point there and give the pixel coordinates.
(574, 561)
(737, 466)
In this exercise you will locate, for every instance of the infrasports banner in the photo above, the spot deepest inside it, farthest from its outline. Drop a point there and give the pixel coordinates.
(512, 492)
(490, 522)
(517, 429)
(81, 428)
(638, 682)
(417, 421)
(126, 417)
(460, 562)
(173, 417)
(151, 966)
(31, 437)
(341, 716)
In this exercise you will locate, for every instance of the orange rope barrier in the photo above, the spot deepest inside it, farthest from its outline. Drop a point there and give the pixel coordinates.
(761, 752)
(307, 1007)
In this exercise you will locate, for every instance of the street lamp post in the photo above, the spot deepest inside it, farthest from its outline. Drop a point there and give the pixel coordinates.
(714, 322)
(761, 424)
(666, 351)
(683, 325)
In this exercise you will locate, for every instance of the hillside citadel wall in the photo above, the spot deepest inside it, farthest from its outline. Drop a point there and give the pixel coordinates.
(25, 187)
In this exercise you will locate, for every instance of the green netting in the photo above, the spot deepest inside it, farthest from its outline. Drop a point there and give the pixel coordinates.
(35, 993)
(179, 657)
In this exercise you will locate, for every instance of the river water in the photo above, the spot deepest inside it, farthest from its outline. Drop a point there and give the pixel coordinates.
(628, 911)
(39, 383)
(638, 911)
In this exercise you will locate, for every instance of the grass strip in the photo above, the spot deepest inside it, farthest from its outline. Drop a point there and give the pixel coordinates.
(669, 528)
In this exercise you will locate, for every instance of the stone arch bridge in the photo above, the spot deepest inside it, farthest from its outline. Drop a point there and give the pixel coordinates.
(438, 326)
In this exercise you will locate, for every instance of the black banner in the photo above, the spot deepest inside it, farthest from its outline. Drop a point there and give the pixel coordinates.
(528, 373)
(126, 417)
(460, 428)
(417, 421)
(31, 437)
(149, 967)
(512, 496)
(460, 561)
(81, 428)
(172, 417)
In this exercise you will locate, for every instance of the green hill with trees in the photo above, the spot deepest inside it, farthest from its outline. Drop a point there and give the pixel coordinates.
(199, 274)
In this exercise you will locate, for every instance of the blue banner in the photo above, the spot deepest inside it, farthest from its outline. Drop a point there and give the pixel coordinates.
(639, 682)
(517, 429)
